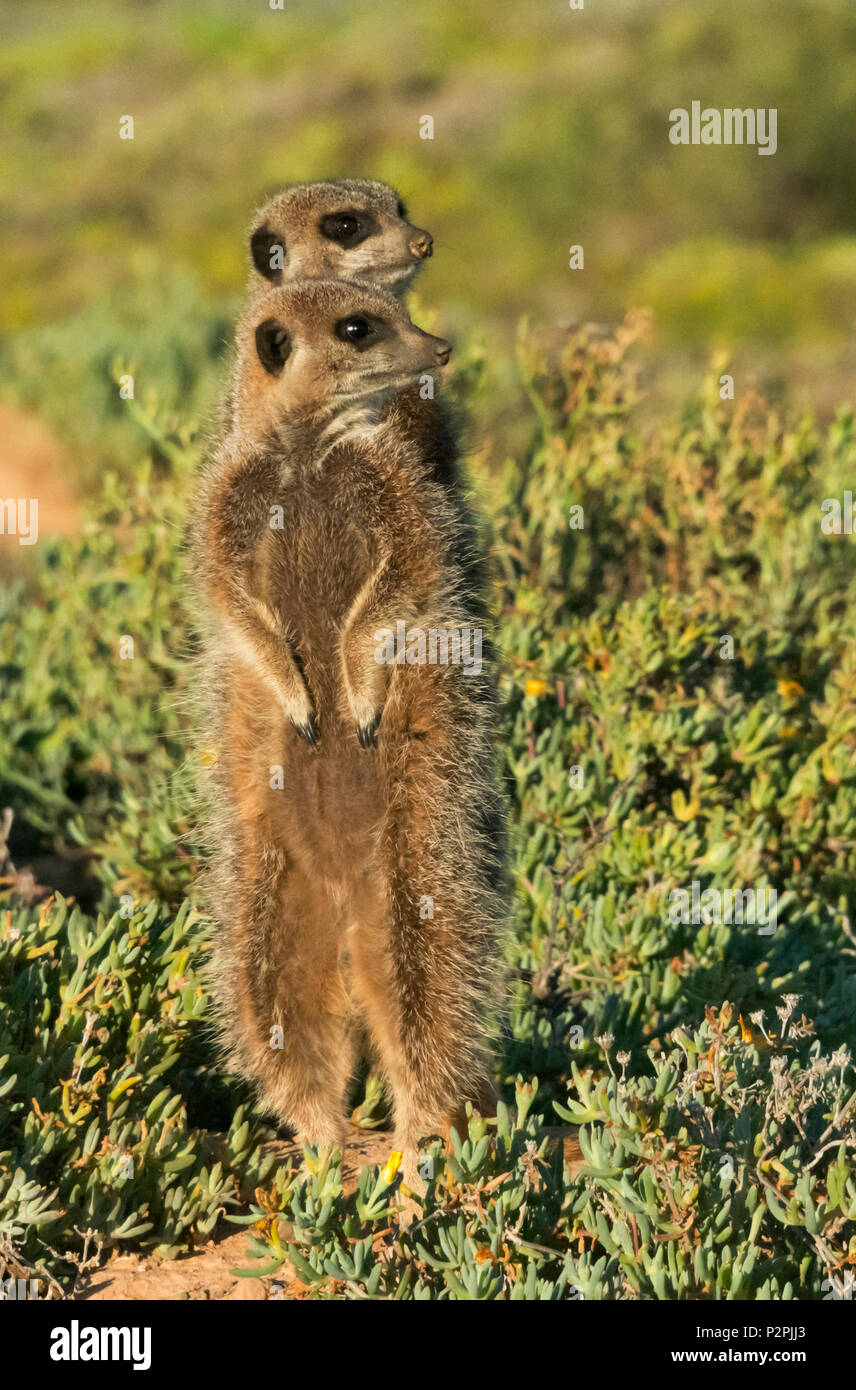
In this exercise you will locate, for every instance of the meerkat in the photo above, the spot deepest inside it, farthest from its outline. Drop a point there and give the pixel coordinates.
(357, 878)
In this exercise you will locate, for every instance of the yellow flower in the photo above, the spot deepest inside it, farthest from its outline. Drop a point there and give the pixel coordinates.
(535, 687)
(789, 690)
(749, 1035)
(209, 756)
(393, 1163)
(788, 731)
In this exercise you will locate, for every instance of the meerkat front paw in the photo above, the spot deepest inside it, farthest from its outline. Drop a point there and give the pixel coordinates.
(367, 716)
(301, 716)
(306, 729)
(365, 687)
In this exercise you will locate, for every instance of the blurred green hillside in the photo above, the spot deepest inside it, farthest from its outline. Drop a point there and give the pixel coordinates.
(551, 129)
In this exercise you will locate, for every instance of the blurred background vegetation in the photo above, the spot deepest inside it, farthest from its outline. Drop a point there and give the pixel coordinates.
(551, 129)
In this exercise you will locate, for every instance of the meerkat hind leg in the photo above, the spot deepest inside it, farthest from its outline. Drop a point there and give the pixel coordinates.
(295, 981)
(417, 1000)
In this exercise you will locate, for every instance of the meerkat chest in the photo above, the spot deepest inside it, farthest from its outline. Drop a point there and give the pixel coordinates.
(318, 550)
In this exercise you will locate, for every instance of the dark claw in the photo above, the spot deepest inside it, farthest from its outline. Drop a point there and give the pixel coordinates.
(366, 732)
(307, 731)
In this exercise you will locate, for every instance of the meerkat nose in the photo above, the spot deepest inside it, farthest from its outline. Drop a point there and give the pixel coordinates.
(422, 245)
(443, 352)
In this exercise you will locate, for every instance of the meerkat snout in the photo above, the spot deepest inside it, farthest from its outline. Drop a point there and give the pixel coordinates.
(422, 245)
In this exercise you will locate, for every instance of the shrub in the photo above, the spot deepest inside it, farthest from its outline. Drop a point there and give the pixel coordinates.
(677, 707)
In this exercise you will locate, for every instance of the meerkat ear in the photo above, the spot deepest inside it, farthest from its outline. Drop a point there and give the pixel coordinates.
(273, 345)
(268, 252)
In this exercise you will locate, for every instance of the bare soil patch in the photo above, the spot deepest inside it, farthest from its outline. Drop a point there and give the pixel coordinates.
(33, 463)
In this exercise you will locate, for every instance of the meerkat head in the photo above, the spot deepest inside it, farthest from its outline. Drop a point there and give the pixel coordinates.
(328, 350)
(353, 229)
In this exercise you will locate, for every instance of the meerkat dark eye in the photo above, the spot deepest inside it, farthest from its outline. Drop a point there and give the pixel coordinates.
(345, 228)
(364, 331)
(354, 330)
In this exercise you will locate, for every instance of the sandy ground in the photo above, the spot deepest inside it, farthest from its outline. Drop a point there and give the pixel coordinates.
(34, 464)
(207, 1273)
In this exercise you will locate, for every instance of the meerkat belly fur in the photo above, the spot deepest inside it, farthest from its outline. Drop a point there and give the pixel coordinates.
(357, 831)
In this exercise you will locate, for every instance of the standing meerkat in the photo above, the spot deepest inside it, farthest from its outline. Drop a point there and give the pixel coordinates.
(358, 877)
